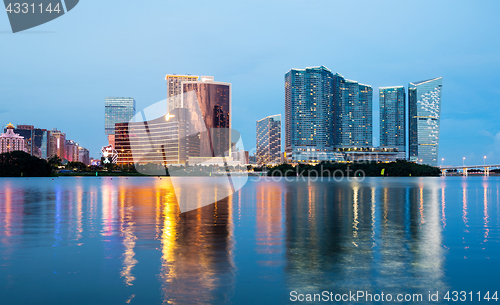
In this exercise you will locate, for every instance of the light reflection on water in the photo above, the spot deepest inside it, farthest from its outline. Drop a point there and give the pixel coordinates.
(124, 240)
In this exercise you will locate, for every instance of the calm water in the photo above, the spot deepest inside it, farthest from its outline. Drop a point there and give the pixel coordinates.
(123, 241)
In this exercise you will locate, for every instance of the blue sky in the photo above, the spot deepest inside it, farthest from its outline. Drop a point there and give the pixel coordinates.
(58, 74)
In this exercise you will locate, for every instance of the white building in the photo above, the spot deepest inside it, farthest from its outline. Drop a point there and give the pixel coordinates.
(11, 141)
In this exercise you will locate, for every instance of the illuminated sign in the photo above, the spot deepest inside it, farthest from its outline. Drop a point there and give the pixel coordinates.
(109, 155)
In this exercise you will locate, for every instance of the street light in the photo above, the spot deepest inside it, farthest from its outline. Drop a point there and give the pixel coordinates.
(442, 161)
(463, 164)
(484, 160)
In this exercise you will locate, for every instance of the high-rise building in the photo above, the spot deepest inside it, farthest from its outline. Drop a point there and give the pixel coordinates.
(392, 102)
(71, 151)
(324, 113)
(174, 89)
(27, 132)
(196, 131)
(83, 155)
(308, 114)
(213, 102)
(57, 144)
(10, 141)
(36, 139)
(117, 110)
(269, 140)
(240, 156)
(42, 141)
(352, 113)
(424, 103)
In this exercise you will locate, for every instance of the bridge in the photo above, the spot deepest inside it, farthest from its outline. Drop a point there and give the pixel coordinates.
(486, 168)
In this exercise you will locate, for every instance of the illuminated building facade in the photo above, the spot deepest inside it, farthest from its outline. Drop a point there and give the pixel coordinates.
(37, 140)
(324, 111)
(83, 155)
(10, 141)
(42, 142)
(392, 102)
(174, 89)
(269, 140)
(164, 140)
(212, 100)
(373, 154)
(57, 144)
(352, 113)
(308, 114)
(197, 129)
(424, 102)
(117, 110)
(71, 151)
(27, 132)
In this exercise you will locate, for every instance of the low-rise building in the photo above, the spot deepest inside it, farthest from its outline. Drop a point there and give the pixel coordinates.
(373, 154)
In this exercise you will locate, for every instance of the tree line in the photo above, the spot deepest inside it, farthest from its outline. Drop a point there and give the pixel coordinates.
(399, 168)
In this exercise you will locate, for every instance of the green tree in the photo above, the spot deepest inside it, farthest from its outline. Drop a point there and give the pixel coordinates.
(21, 164)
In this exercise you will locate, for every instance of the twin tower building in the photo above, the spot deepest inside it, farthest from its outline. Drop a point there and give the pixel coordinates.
(328, 117)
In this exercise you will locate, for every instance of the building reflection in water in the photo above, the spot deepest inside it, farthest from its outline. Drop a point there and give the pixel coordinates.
(125, 227)
(443, 207)
(197, 250)
(269, 223)
(196, 247)
(378, 235)
(344, 236)
(486, 217)
(11, 219)
(464, 205)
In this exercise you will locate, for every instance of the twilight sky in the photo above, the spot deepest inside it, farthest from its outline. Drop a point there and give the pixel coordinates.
(58, 74)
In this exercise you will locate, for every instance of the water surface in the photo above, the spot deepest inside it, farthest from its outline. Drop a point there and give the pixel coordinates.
(123, 240)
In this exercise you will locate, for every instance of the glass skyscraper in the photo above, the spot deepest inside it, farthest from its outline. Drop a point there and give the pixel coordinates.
(352, 112)
(392, 102)
(324, 112)
(213, 99)
(308, 114)
(117, 110)
(269, 140)
(424, 102)
(198, 132)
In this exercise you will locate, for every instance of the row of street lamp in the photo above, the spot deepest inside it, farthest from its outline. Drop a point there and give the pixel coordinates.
(463, 163)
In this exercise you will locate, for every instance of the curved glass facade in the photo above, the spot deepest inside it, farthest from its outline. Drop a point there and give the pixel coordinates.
(424, 101)
(213, 99)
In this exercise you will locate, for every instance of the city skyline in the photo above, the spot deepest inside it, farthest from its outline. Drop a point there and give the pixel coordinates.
(315, 98)
(254, 63)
